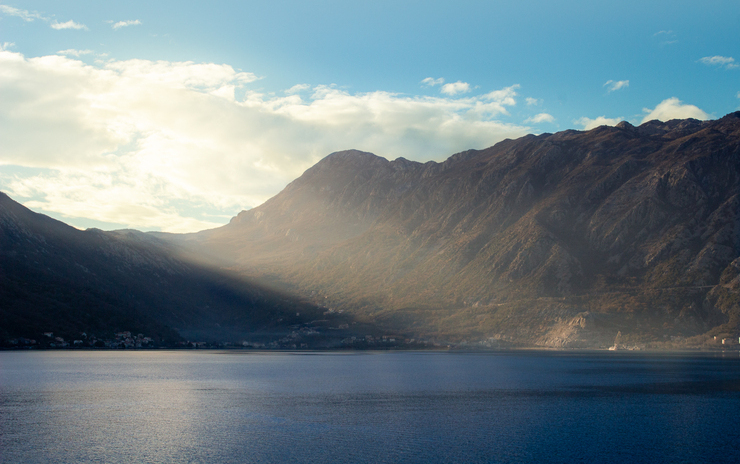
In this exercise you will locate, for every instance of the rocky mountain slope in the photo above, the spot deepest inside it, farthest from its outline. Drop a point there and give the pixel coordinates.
(55, 278)
(555, 240)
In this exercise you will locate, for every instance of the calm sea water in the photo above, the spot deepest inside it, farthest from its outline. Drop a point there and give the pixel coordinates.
(520, 407)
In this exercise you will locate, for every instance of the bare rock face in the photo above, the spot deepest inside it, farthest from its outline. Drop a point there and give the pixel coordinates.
(572, 333)
(638, 226)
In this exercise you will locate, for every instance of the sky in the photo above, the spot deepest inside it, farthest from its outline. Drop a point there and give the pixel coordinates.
(175, 116)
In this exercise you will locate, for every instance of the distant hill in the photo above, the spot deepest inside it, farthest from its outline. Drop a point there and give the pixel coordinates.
(55, 278)
(559, 239)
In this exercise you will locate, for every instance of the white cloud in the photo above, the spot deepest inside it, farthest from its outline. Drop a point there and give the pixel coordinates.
(532, 101)
(68, 25)
(298, 88)
(589, 124)
(454, 88)
(539, 118)
(73, 52)
(207, 77)
(120, 24)
(431, 82)
(727, 62)
(615, 85)
(166, 144)
(98, 195)
(23, 14)
(673, 108)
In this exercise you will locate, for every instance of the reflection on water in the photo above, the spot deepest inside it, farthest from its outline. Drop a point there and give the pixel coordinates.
(386, 407)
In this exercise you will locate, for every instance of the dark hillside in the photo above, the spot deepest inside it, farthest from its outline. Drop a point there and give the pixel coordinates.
(54, 278)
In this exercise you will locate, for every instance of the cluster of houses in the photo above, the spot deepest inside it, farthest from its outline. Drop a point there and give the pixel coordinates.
(21, 342)
(726, 340)
(127, 340)
(306, 338)
(119, 340)
(385, 341)
(299, 338)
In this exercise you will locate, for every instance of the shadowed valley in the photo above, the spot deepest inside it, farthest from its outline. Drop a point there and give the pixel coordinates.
(55, 278)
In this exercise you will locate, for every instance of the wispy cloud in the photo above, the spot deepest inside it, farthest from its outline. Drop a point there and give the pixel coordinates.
(129, 142)
(23, 14)
(68, 25)
(727, 62)
(539, 118)
(615, 85)
(589, 124)
(120, 24)
(673, 108)
(666, 37)
(532, 101)
(454, 88)
(431, 82)
(30, 16)
(73, 52)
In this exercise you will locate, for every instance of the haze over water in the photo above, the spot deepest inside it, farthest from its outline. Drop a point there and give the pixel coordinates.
(368, 407)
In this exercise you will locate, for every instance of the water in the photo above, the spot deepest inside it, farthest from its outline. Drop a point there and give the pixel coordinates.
(425, 407)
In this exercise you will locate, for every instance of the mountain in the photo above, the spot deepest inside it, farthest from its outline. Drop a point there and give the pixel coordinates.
(559, 239)
(55, 278)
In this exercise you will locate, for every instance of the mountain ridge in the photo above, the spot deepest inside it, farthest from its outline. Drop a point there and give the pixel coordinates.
(554, 216)
(555, 240)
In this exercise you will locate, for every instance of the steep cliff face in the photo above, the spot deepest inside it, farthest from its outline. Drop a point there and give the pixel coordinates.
(637, 227)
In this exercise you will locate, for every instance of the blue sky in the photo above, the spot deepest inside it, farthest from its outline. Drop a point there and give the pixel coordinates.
(177, 115)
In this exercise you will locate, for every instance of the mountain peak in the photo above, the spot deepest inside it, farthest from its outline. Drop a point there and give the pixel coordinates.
(352, 155)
